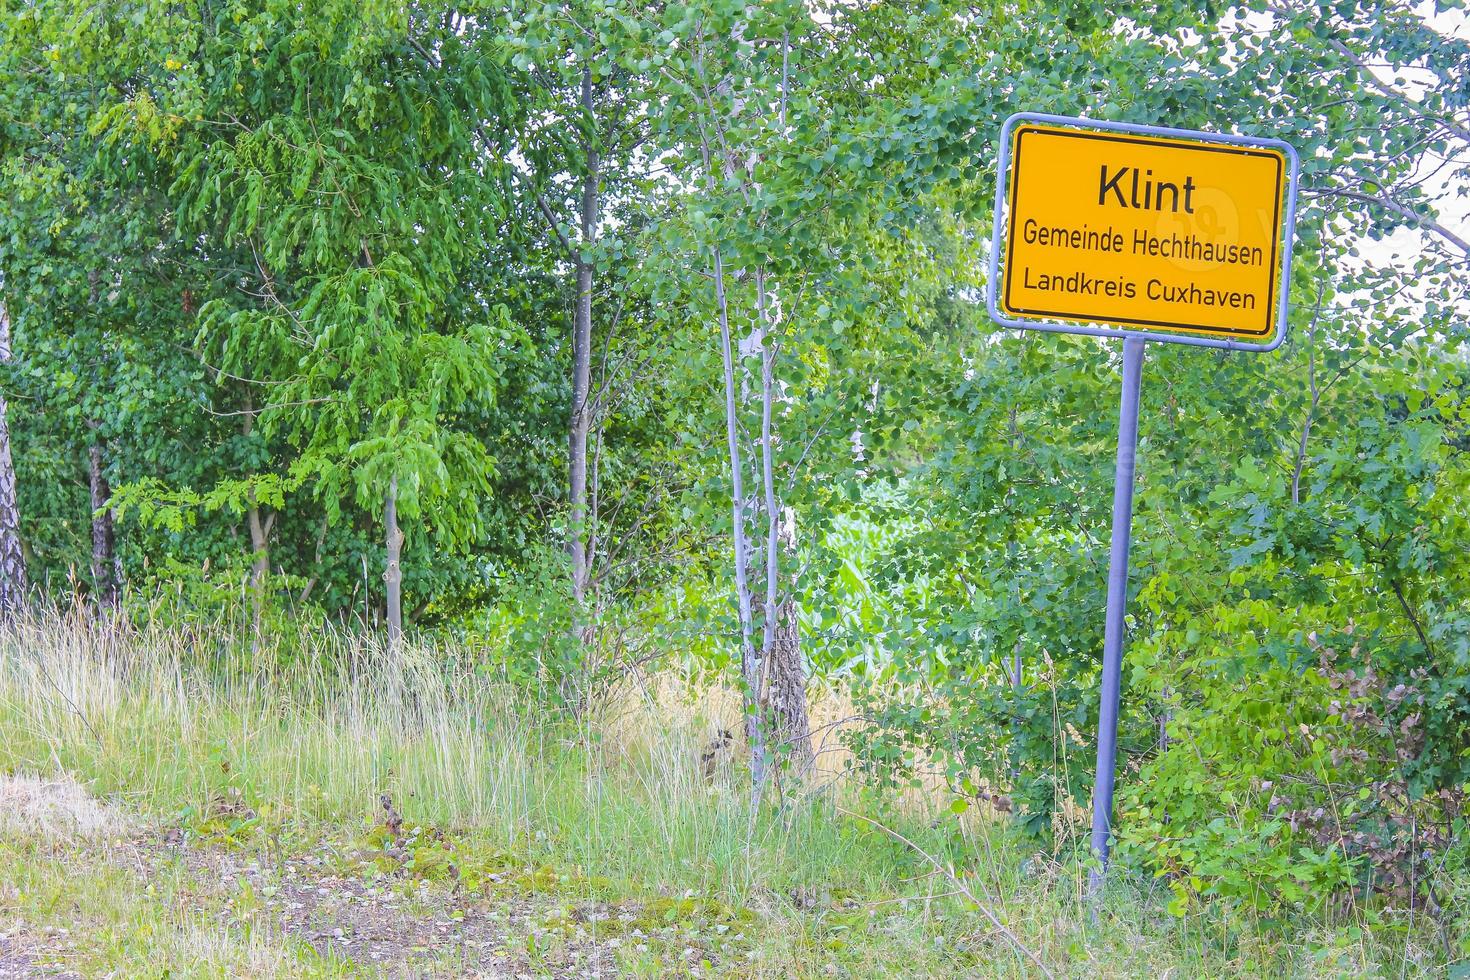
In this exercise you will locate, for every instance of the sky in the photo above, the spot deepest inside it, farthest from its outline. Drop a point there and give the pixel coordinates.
(1451, 196)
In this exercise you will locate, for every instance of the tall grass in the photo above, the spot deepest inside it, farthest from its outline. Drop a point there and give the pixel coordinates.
(171, 718)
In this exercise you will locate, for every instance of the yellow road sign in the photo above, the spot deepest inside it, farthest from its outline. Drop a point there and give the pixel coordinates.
(1144, 232)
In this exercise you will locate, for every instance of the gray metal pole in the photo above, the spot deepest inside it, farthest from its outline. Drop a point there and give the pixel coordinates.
(1112, 673)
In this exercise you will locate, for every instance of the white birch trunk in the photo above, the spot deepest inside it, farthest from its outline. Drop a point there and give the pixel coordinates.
(13, 582)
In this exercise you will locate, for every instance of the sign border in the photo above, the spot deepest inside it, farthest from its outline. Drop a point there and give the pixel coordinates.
(1267, 328)
(1001, 222)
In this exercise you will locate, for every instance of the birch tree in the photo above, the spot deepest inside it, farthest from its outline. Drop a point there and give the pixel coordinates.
(13, 584)
(737, 76)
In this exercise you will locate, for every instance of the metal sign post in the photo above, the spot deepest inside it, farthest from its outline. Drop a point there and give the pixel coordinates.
(1142, 233)
(1112, 669)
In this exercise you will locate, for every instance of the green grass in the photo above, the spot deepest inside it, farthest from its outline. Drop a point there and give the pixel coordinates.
(104, 920)
(543, 816)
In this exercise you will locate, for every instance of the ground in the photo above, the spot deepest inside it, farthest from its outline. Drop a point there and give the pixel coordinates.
(395, 901)
(88, 889)
(165, 818)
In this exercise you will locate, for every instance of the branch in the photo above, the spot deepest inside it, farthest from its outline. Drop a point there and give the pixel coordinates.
(1377, 84)
(1301, 452)
(1390, 91)
(1419, 220)
(1413, 619)
(551, 223)
(257, 411)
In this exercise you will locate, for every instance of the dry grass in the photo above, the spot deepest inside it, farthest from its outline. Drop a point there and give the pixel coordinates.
(57, 808)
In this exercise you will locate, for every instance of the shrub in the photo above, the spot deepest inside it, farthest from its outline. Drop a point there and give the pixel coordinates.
(1290, 774)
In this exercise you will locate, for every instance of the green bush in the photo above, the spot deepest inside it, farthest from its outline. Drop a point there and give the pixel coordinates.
(1287, 779)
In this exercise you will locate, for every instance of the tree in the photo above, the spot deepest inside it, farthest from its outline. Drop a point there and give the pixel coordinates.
(347, 202)
(587, 181)
(13, 584)
(71, 247)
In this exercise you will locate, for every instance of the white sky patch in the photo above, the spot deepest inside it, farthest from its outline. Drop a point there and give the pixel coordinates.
(1446, 186)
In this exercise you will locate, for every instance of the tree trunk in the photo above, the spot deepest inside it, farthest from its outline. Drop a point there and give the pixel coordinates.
(784, 685)
(749, 662)
(316, 565)
(260, 532)
(772, 632)
(791, 729)
(768, 461)
(13, 584)
(393, 573)
(1016, 689)
(580, 420)
(104, 553)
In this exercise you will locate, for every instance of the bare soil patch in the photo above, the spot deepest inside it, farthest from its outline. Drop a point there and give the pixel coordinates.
(339, 901)
(19, 959)
(398, 927)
